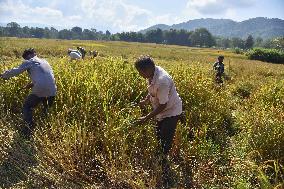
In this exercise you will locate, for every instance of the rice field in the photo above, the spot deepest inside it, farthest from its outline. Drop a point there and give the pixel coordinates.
(233, 135)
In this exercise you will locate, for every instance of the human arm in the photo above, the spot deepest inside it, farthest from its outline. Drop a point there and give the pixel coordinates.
(152, 114)
(145, 101)
(214, 66)
(28, 86)
(16, 71)
(222, 69)
(163, 97)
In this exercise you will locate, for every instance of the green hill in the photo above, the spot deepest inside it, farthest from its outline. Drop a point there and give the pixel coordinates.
(258, 27)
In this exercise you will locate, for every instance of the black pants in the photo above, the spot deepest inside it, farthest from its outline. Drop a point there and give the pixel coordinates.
(31, 102)
(165, 134)
(218, 78)
(166, 131)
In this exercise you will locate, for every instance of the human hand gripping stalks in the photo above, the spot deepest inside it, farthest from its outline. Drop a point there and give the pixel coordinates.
(131, 118)
(28, 86)
(141, 120)
(129, 114)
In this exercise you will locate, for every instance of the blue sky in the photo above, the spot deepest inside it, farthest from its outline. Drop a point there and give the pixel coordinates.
(132, 15)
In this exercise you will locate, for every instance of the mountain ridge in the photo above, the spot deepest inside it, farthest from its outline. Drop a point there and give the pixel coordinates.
(257, 27)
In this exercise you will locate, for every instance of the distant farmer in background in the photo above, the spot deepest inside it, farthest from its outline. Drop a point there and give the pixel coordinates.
(74, 54)
(166, 103)
(43, 86)
(82, 51)
(219, 70)
(94, 53)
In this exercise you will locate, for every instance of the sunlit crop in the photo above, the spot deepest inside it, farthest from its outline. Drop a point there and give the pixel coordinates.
(229, 140)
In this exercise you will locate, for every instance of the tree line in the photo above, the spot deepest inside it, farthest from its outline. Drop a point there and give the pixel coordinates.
(200, 37)
(13, 29)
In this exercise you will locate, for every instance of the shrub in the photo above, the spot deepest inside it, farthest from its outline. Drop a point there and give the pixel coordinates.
(238, 51)
(267, 55)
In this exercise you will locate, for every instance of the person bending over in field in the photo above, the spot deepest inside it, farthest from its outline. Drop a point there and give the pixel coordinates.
(82, 51)
(74, 54)
(166, 103)
(219, 70)
(43, 86)
(94, 53)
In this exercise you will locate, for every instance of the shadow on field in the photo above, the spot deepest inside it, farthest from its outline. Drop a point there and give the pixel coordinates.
(20, 157)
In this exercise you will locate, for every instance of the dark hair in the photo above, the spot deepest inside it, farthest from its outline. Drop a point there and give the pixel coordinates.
(143, 62)
(27, 52)
(221, 57)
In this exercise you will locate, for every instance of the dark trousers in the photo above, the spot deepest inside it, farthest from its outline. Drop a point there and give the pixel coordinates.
(218, 78)
(165, 134)
(31, 102)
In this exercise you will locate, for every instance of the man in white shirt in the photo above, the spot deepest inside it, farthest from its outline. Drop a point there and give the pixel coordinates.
(82, 51)
(166, 103)
(43, 85)
(74, 54)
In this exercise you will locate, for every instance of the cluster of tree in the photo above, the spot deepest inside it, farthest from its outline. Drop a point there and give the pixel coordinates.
(198, 38)
(250, 42)
(236, 42)
(13, 29)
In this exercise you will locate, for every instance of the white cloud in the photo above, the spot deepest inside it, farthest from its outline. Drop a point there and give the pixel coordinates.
(216, 7)
(22, 13)
(43, 14)
(200, 3)
(114, 15)
(75, 18)
(204, 6)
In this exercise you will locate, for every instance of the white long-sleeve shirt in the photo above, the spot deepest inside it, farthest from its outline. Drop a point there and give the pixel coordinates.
(74, 54)
(40, 73)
